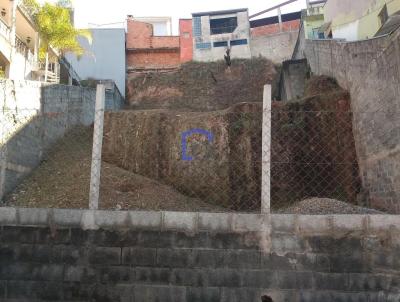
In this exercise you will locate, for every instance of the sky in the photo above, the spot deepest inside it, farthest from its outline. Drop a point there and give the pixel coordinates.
(91, 12)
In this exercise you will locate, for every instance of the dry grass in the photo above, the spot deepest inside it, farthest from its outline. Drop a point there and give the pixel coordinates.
(62, 181)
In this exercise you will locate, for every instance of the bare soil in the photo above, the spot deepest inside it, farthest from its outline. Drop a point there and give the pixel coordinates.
(62, 181)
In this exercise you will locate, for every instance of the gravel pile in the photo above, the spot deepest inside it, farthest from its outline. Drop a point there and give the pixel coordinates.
(323, 206)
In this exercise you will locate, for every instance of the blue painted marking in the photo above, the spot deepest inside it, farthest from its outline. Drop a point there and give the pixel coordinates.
(188, 133)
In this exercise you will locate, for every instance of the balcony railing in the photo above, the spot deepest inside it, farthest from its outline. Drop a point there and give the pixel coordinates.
(4, 29)
(24, 50)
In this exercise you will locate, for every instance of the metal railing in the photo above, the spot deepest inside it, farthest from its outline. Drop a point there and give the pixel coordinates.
(4, 29)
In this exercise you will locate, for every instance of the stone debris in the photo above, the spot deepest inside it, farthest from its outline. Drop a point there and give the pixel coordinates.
(323, 206)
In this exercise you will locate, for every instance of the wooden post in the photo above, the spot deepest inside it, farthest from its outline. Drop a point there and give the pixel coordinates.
(266, 152)
(97, 146)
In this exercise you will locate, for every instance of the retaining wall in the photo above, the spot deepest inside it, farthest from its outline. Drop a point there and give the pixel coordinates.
(275, 47)
(34, 116)
(81, 255)
(369, 69)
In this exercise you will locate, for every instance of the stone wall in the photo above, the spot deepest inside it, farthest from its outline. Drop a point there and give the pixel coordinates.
(34, 116)
(369, 69)
(276, 47)
(78, 255)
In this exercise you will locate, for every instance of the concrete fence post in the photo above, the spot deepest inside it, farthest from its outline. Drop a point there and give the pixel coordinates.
(266, 152)
(3, 167)
(97, 146)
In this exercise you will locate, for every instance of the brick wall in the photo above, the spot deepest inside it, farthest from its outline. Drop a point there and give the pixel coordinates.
(153, 60)
(271, 29)
(75, 255)
(369, 69)
(145, 51)
(186, 39)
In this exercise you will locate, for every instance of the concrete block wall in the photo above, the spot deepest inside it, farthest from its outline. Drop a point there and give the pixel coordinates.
(275, 47)
(293, 79)
(80, 255)
(35, 116)
(369, 69)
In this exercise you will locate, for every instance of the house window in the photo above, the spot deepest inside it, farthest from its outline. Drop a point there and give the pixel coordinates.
(197, 26)
(239, 42)
(223, 25)
(221, 44)
(206, 45)
(186, 35)
(383, 15)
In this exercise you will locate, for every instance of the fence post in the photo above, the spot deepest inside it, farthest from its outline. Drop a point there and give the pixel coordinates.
(266, 152)
(97, 146)
(3, 167)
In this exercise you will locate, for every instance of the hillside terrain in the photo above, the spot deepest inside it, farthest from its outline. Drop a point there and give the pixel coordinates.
(203, 87)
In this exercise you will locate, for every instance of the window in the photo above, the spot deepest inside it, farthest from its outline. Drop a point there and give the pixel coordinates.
(197, 26)
(223, 25)
(239, 42)
(206, 45)
(221, 44)
(186, 35)
(383, 15)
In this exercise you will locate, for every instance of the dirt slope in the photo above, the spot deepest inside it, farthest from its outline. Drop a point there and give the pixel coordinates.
(62, 181)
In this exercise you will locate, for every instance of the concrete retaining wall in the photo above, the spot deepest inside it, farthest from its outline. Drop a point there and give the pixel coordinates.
(34, 116)
(277, 47)
(80, 255)
(369, 69)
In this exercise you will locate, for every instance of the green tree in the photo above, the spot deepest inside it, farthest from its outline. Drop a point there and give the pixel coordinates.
(55, 27)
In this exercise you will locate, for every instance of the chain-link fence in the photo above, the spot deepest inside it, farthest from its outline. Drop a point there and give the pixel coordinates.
(46, 135)
(297, 157)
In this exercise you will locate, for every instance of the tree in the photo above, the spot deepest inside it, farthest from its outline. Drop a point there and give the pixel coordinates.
(55, 27)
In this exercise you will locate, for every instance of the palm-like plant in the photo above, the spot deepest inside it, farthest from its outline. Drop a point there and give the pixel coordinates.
(56, 30)
(55, 27)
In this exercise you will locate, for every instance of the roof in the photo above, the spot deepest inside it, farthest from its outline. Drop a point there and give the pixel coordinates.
(390, 26)
(317, 2)
(275, 19)
(220, 12)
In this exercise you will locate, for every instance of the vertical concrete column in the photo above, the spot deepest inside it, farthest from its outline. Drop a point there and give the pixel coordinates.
(266, 152)
(3, 167)
(280, 18)
(13, 30)
(37, 47)
(96, 151)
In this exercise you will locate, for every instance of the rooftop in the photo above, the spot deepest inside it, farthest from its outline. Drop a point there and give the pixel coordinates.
(220, 12)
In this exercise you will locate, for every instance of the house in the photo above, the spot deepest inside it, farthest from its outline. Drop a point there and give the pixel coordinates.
(162, 26)
(361, 19)
(104, 58)
(186, 39)
(146, 51)
(313, 19)
(271, 25)
(19, 48)
(19, 43)
(275, 37)
(214, 32)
